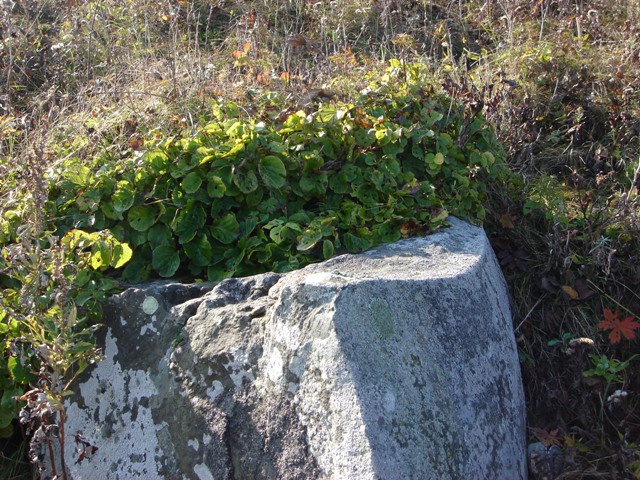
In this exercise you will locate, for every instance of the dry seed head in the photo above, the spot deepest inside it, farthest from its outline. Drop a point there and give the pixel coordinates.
(579, 342)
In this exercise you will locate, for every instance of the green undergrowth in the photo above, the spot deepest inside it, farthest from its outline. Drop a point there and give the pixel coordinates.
(284, 188)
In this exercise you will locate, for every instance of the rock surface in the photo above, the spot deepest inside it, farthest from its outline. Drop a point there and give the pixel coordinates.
(398, 363)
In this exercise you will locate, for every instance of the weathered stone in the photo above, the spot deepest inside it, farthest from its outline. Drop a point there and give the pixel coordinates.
(398, 363)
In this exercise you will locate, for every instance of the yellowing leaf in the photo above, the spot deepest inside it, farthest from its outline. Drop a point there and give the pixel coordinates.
(570, 291)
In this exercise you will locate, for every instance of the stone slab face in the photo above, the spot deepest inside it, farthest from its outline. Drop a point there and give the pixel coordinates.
(398, 363)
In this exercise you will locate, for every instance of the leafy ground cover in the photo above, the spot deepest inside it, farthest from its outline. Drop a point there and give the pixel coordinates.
(109, 108)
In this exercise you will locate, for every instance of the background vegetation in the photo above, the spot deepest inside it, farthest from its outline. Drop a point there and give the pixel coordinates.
(89, 84)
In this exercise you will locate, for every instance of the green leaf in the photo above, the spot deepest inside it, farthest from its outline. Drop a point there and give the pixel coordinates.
(199, 250)
(110, 212)
(282, 232)
(6, 432)
(272, 171)
(159, 234)
(100, 255)
(254, 198)
(431, 118)
(122, 253)
(365, 138)
(166, 260)
(157, 159)
(6, 417)
(247, 226)
(314, 185)
(327, 249)
(313, 162)
(191, 183)
(226, 229)
(216, 187)
(141, 218)
(386, 232)
(189, 222)
(246, 181)
(309, 238)
(217, 273)
(78, 174)
(8, 402)
(137, 270)
(19, 373)
(123, 197)
(326, 114)
(355, 244)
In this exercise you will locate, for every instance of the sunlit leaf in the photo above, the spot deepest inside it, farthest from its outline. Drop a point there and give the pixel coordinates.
(191, 183)
(122, 253)
(216, 187)
(123, 197)
(309, 238)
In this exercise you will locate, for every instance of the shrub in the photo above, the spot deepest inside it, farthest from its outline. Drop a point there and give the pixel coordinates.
(286, 188)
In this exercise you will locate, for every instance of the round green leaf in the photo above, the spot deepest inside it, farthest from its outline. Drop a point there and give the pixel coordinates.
(8, 401)
(314, 185)
(6, 417)
(216, 187)
(159, 234)
(100, 255)
(157, 159)
(122, 253)
(309, 238)
(364, 138)
(355, 243)
(217, 273)
(226, 229)
(166, 260)
(123, 197)
(141, 218)
(189, 222)
(246, 181)
(199, 250)
(339, 183)
(19, 373)
(191, 183)
(110, 212)
(272, 171)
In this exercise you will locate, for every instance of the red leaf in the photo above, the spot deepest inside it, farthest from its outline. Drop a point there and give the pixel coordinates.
(547, 438)
(619, 328)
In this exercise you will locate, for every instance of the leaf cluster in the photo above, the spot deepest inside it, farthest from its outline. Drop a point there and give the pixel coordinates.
(243, 196)
(50, 299)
